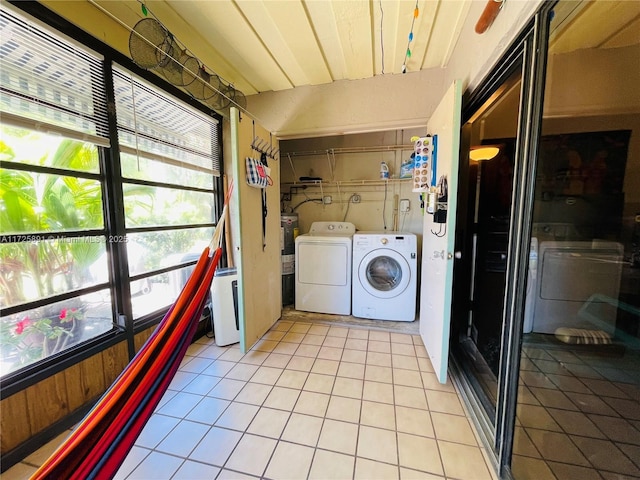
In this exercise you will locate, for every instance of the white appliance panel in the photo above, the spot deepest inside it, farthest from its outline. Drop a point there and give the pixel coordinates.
(224, 294)
(320, 264)
(385, 276)
(323, 268)
(572, 275)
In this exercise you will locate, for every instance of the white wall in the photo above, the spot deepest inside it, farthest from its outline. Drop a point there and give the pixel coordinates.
(383, 102)
(475, 55)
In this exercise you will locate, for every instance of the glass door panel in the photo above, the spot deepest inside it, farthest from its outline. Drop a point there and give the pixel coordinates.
(578, 413)
(490, 136)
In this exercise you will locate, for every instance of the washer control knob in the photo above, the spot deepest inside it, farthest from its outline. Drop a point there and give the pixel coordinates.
(383, 241)
(331, 226)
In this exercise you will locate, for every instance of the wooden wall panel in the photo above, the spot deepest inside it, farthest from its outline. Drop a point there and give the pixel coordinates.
(36, 408)
(114, 360)
(259, 265)
(15, 426)
(142, 337)
(85, 381)
(47, 402)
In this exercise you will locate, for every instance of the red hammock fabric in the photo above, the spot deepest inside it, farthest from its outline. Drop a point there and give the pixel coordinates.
(101, 442)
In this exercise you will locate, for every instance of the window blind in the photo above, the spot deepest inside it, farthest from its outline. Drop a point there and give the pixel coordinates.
(155, 125)
(49, 83)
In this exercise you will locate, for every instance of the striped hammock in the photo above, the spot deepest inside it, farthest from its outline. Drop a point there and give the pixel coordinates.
(100, 443)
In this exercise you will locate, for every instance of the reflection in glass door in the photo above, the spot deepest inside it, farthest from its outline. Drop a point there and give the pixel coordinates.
(578, 413)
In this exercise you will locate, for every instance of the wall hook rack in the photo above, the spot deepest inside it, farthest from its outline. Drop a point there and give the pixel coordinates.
(264, 148)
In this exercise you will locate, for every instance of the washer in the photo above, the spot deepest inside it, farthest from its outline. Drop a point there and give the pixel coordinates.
(385, 271)
(323, 268)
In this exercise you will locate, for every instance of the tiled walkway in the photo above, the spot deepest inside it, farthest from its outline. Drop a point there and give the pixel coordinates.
(309, 401)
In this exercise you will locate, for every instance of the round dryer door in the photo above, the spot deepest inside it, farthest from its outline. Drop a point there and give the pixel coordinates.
(384, 273)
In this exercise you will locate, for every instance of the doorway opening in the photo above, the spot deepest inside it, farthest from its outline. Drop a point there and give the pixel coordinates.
(486, 175)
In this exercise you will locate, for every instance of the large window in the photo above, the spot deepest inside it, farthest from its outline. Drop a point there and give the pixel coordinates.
(53, 240)
(63, 235)
(168, 162)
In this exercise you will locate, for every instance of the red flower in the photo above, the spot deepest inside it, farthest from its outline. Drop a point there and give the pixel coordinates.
(68, 315)
(24, 323)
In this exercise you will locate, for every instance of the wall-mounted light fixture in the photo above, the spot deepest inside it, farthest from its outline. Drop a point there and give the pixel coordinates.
(483, 152)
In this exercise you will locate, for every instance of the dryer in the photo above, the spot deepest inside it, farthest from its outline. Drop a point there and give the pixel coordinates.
(569, 276)
(323, 268)
(385, 272)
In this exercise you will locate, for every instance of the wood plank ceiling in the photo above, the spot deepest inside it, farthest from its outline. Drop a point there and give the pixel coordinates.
(263, 45)
(272, 45)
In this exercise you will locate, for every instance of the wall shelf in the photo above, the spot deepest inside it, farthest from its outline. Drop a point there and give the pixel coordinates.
(346, 183)
(330, 154)
(337, 151)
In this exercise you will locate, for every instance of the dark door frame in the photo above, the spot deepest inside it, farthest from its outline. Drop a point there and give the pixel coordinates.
(529, 53)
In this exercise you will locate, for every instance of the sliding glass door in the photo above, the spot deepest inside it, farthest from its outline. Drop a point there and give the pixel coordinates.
(501, 121)
(546, 308)
(578, 413)
(491, 134)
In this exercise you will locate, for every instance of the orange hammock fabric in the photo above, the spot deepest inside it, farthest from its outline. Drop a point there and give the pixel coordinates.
(100, 443)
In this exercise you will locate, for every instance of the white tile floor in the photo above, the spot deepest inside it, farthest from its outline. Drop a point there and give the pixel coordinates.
(309, 401)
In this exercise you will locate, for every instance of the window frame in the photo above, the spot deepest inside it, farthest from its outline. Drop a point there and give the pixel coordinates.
(113, 208)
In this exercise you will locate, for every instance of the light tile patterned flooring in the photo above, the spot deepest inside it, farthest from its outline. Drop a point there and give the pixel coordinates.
(578, 416)
(309, 401)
